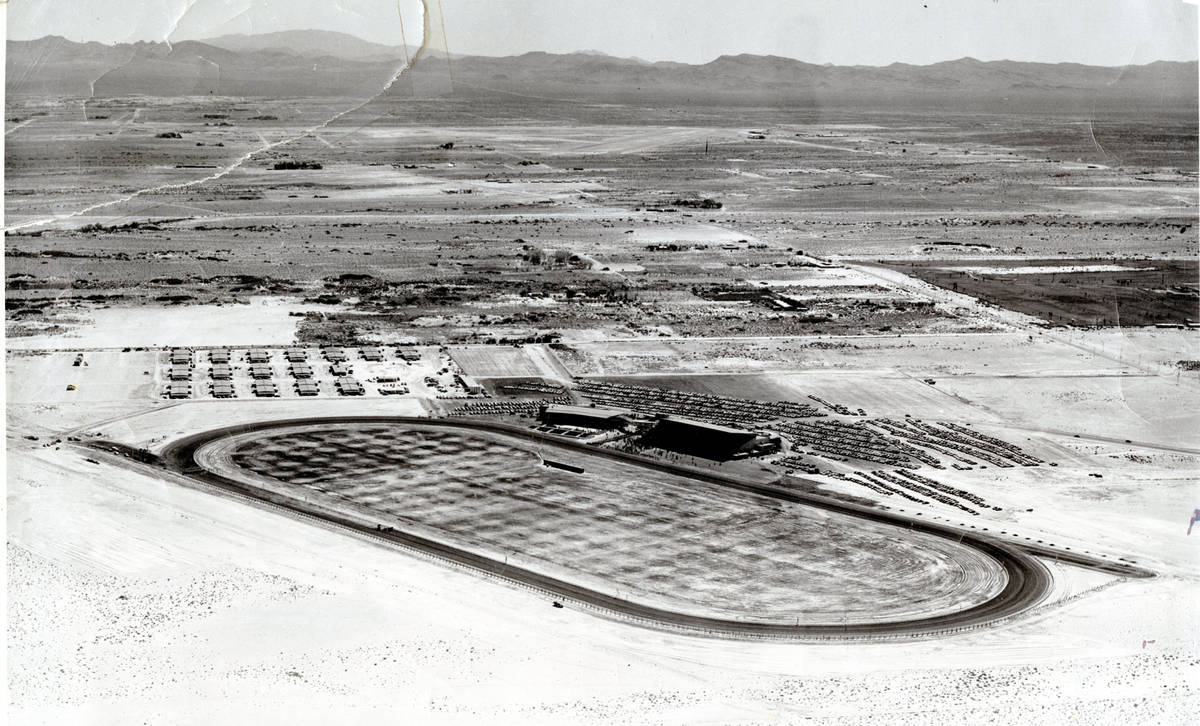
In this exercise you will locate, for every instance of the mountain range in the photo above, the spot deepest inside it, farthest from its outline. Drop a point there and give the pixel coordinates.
(323, 63)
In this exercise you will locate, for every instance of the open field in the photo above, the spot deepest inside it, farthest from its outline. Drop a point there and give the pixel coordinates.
(497, 362)
(1006, 354)
(260, 321)
(1067, 292)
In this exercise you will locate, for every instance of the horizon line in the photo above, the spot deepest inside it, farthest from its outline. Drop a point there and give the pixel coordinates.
(113, 44)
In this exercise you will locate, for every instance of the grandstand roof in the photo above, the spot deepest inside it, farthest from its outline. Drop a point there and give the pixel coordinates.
(715, 428)
(699, 438)
(587, 411)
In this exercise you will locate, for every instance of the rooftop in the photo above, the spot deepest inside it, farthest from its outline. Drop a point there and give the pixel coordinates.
(568, 410)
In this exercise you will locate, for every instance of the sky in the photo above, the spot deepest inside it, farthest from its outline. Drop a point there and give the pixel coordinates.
(844, 32)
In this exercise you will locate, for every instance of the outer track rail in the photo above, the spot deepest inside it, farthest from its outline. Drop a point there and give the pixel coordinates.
(1028, 581)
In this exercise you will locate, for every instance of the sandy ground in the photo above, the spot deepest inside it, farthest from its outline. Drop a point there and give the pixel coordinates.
(1010, 354)
(103, 376)
(169, 421)
(263, 321)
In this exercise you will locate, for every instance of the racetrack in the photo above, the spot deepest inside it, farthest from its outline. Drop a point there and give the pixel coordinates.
(1025, 580)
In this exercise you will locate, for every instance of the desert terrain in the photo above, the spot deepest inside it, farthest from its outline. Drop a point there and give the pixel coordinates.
(978, 324)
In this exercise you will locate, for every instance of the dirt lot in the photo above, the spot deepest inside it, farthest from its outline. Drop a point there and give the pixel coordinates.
(1076, 292)
(496, 361)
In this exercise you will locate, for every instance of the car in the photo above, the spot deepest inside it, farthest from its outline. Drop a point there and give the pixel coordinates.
(72, 387)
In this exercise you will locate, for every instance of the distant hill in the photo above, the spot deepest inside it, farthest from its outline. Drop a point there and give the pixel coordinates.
(55, 66)
(751, 79)
(321, 63)
(312, 43)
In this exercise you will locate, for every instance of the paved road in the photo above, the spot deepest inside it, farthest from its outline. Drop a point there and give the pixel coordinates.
(1028, 580)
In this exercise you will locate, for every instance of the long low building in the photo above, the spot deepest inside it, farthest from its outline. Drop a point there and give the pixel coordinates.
(348, 386)
(469, 384)
(584, 416)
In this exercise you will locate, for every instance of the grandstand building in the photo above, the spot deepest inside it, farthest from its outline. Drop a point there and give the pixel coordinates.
(585, 417)
(706, 440)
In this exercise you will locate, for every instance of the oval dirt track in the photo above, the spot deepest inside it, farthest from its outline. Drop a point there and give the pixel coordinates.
(226, 458)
